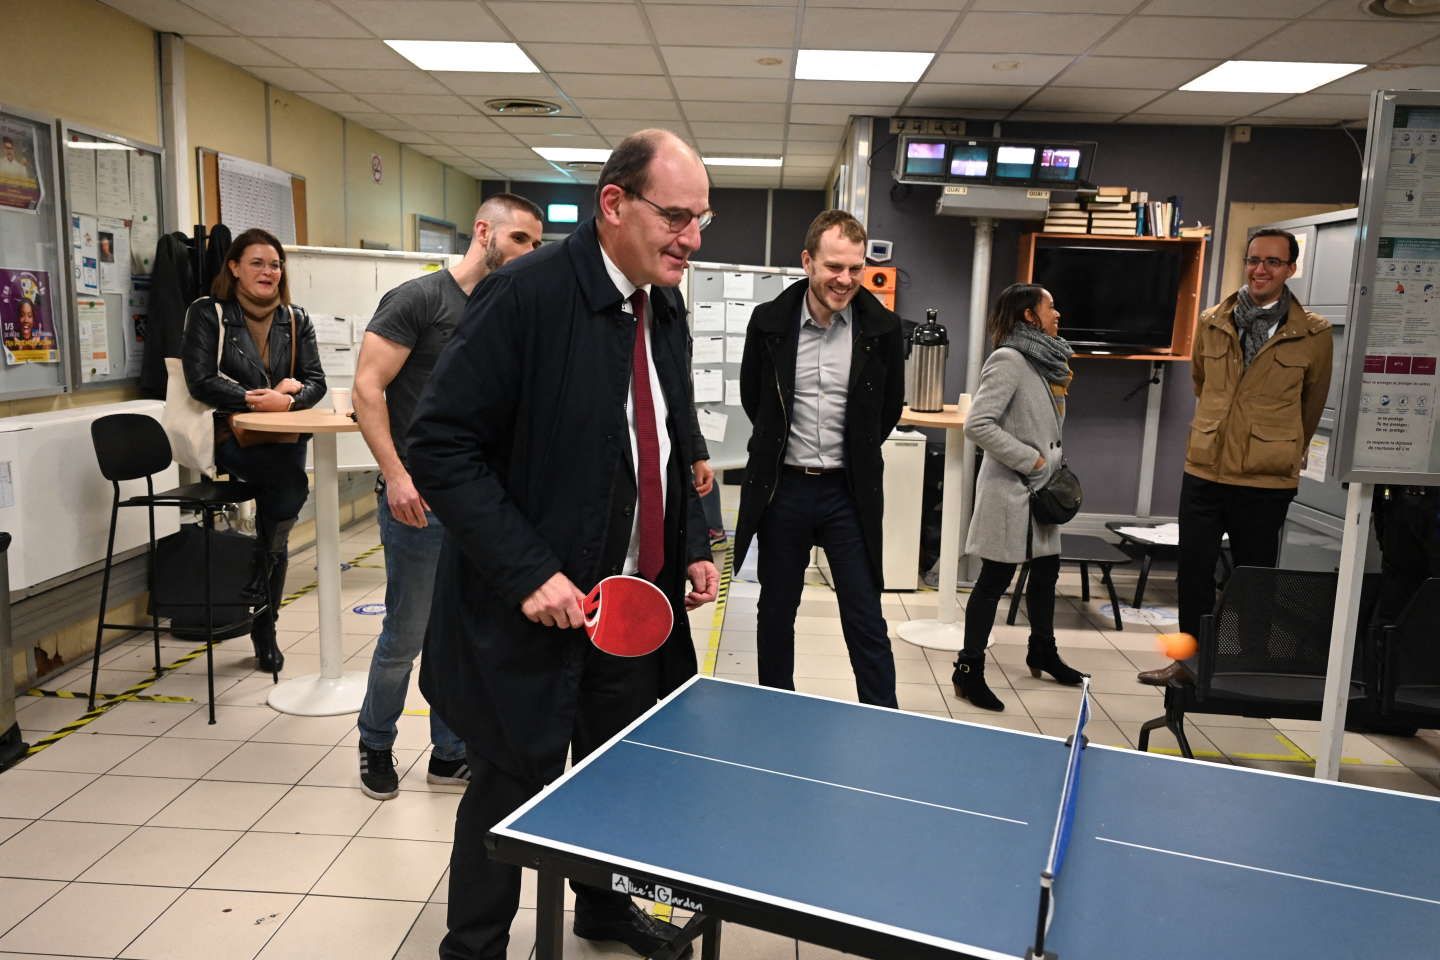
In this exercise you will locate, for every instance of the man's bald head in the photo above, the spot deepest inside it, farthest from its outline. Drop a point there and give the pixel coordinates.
(629, 164)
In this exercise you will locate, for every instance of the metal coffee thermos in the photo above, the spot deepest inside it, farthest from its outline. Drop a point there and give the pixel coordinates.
(929, 350)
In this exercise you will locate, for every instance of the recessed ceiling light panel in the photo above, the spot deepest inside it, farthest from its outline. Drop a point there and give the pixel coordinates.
(464, 56)
(877, 66)
(574, 154)
(1269, 76)
(743, 161)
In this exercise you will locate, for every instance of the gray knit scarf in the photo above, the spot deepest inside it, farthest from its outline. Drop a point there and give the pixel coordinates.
(1050, 356)
(1253, 322)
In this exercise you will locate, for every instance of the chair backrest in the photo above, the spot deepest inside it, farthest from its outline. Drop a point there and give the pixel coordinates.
(1411, 679)
(1270, 621)
(129, 446)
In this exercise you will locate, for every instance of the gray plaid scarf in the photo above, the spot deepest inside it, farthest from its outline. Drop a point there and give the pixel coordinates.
(1254, 322)
(1050, 357)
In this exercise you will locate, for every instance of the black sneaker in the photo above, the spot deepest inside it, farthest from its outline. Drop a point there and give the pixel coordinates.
(377, 773)
(452, 772)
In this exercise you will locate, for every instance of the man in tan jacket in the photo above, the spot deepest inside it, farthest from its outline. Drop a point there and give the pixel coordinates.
(1262, 370)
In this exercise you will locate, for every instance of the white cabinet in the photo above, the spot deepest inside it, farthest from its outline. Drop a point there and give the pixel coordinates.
(904, 454)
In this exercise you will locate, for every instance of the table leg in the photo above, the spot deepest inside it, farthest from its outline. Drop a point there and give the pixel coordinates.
(549, 914)
(1084, 581)
(710, 941)
(331, 691)
(1114, 600)
(946, 632)
(1144, 578)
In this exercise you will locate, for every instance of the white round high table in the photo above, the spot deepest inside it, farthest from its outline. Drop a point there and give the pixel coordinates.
(331, 691)
(946, 632)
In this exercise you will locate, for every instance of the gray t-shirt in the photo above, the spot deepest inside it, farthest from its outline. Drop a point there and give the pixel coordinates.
(420, 314)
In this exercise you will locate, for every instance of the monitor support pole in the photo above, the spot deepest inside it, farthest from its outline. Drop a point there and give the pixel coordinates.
(974, 355)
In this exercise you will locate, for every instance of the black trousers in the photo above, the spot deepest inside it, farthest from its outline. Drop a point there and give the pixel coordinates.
(1252, 516)
(990, 587)
(484, 893)
(810, 511)
(1409, 547)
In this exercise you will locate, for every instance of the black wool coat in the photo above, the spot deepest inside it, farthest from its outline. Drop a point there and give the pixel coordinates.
(767, 392)
(521, 446)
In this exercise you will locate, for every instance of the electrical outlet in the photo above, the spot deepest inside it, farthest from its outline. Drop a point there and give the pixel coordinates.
(897, 124)
(1241, 133)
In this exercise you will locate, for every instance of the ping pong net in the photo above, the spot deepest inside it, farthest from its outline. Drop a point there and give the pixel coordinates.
(1060, 839)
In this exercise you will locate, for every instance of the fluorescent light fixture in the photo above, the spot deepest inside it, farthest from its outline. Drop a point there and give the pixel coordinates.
(743, 161)
(464, 55)
(96, 145)
(879, 66)
(574, 154)
(562, 213)
(1269, 76)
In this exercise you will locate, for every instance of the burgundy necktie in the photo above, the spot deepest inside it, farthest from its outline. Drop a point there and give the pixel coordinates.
(650, 496)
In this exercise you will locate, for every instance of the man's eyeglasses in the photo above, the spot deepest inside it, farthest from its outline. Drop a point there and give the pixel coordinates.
(1274, 263)
(677, 219)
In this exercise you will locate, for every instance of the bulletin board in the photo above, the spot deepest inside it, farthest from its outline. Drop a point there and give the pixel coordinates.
(1387, 425)
(34, 280)
(113, 213)
(721, 297)
(242, 194)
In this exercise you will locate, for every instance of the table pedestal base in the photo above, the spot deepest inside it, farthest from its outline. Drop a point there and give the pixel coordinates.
(933, 634)
(316, 696)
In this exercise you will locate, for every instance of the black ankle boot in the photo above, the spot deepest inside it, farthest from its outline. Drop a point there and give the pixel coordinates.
(1043, 657)
(969, 681)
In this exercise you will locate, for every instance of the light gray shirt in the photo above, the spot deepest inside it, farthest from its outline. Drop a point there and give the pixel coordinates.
(822, 384)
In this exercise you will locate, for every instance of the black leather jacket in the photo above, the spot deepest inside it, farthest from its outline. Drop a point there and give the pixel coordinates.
(240, 360)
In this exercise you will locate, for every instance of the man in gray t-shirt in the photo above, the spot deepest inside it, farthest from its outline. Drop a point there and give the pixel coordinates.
(409, 330)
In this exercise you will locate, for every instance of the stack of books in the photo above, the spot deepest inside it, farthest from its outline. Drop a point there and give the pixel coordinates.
(1066, 217)
(1112, 212)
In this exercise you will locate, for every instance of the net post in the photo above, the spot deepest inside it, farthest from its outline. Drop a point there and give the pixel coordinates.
(1037, 952)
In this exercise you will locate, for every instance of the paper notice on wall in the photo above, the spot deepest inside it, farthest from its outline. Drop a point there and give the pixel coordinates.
(737, 315)
(707, 316)
(1396, 426)
(85, 253)
(112, 184)
(338, 359)
(1316, 459)
(1412, 185)
(708, 350)
(80, 179)
(136, 316)
(732, 393)
(331, 329)
(739, 286)
(734, 349)
(254, 195)
(113, 241)
(709, 386)
(145, 217)
(712, 425)
(94, 340)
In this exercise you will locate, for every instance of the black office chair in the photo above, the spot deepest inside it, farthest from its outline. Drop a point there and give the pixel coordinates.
(129, 446)
(1410, 660)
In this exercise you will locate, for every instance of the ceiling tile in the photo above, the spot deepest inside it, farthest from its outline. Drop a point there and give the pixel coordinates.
(280, 18)
(596, 22)
(594, 58)
(551, 140)
(424, 19)
(1055, 116)
(1030, 69)
(1062, 6)
(825, 113)
(709, 129)
(1341, 42)
(463, 138)
(525, 126)
(961, 95)
(909, 4)
(611, 85)
(796, 182)
(169, 16)
(1328, 107)
(371, 119)
(810, 149)
(1184, 102)
(1030, 32)
(339, 102)
(1091, 99)
(381, 81)
(875, 29)
(721, 110)
(622, 109)
(815, 131)
(619, 128)
(400, 135)
(1160, 119)
(1385, 77)
(487, 153)
(567, 108)
(745, 147)
(1341, 10)
(1425, 53)
(473, 123)
(1282, 9)
(496, 84)
(720, 26)
(404, 104)
(717, 88)
(1140, 72)
(840, 91)
(240, 51)
(293, 79)
(439, 151)
(338, 54)
(728, 61)
(1199, 36)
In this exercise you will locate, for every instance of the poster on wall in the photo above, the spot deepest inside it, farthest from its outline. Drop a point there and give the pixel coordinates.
(85, 252)
(20, 182)
(27, 317)
(138, 309)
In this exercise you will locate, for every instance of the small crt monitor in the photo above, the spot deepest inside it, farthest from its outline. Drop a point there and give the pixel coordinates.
(970, 161)
(1014, 162)
(1059, 164)
(924, 158)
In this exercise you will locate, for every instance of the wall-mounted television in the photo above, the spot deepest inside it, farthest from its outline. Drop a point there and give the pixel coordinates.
(970, 160)
(1112, 297)
(1003, 162)
(925, 159)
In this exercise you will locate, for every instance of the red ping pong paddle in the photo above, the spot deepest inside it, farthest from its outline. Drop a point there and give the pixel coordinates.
(627, 616)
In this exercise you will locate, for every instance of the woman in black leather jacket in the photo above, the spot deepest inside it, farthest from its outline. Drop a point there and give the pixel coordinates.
(246, 348)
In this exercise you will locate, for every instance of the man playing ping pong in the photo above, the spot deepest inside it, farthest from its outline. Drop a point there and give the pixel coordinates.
(553, 443)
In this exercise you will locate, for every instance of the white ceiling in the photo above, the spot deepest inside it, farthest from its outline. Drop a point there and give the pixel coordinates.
(719, 71)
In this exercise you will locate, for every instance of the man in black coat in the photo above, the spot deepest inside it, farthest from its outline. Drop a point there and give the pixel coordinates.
(528, 447)
(823, 382)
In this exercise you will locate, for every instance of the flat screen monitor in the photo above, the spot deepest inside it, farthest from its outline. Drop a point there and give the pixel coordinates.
(925, 158)
(1060, 164)
(1112, 296)
(970, 161)
(1014, 162)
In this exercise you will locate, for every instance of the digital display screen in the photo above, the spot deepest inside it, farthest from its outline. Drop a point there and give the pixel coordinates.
(1059, 163)
(1014, 163)
(925, 158)
(969, 160)
(562, 212)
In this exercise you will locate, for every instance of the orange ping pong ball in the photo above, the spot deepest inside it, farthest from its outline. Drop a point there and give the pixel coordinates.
(1176, 646)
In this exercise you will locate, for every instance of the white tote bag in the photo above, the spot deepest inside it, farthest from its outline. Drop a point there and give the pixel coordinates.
(188, 423)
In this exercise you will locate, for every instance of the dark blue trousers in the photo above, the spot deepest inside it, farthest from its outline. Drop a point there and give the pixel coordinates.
(810, 511)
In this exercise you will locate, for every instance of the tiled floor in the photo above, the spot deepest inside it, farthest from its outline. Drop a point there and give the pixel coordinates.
(150, 834)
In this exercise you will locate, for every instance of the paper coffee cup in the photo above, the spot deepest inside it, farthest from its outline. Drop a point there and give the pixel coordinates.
(340, 400)
(962, 406)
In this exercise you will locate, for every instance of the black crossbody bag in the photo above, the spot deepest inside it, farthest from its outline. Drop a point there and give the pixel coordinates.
(1059, 500)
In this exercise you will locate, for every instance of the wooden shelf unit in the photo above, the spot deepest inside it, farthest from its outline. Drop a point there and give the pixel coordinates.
(1187, 303)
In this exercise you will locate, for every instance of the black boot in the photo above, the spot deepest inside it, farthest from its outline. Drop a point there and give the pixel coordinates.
(268, 656)
(256, 592)
(1043, 656)
(969, 680)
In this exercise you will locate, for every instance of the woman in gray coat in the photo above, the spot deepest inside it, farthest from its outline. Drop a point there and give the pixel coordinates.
(1016, 419)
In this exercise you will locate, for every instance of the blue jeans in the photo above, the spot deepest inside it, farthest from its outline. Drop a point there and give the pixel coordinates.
(411, 555)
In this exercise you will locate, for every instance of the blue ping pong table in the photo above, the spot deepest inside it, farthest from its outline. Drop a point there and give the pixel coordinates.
(886, 834)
